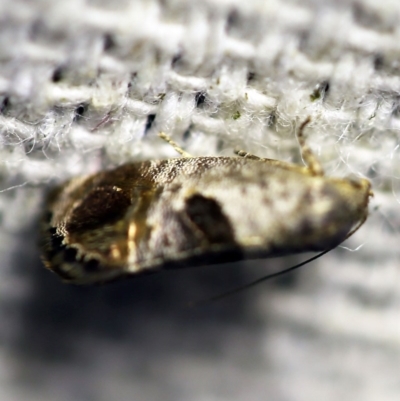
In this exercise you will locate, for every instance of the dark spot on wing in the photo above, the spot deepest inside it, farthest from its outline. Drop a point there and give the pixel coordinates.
(209, 218)
(103, 205)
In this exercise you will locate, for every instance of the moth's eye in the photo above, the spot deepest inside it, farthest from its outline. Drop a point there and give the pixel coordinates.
(92, 266)
(70, 255)
(68, 271)
(74, 269)
(56, 241)
(102, 205)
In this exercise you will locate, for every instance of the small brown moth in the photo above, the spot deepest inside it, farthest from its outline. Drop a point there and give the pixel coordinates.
(145, 216)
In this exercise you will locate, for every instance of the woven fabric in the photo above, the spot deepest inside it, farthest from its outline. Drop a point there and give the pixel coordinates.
(85, 85)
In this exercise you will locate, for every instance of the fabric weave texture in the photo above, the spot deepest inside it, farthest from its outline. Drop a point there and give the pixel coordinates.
(87, 84)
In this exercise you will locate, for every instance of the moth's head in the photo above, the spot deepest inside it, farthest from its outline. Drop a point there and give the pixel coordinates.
(84, 231)
(71, 266)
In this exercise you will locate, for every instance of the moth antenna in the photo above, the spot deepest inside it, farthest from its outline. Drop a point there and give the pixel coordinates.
(307, 155)
(256, 282)
(168, 139)
(272, 275)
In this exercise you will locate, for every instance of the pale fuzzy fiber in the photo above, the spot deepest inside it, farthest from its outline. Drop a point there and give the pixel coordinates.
(218, 75)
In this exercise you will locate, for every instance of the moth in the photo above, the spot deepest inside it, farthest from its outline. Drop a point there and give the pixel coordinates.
(145, 216)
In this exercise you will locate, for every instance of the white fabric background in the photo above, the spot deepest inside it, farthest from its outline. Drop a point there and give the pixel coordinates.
(80, 83)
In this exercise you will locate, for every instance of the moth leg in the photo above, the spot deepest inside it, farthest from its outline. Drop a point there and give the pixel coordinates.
(167, 139)
(247, 155)
(313, 165)
(277, 163)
